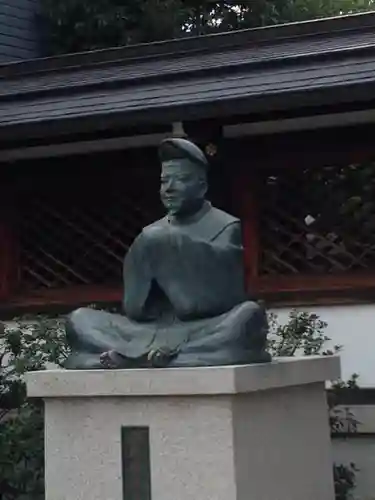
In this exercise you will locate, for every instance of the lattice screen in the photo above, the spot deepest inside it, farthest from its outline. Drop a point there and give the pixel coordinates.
(75, 229)
(317, 221)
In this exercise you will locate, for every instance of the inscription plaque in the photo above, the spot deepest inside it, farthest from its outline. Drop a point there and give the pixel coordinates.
(136, 467)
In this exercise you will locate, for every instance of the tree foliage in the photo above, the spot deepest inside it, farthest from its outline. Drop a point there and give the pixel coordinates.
(78, 25)
(26, 345)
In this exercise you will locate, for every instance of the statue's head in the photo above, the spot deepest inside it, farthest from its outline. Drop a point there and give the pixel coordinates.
(183, 176)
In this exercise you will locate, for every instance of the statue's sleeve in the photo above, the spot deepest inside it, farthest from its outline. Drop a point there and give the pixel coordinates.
(207, 276)
(231, 235)
(224, 266)
(137, 279)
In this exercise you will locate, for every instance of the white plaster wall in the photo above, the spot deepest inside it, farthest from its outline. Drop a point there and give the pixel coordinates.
(353, 327)
(361, 451)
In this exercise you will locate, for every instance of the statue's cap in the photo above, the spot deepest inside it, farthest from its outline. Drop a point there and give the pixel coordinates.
(177, 148)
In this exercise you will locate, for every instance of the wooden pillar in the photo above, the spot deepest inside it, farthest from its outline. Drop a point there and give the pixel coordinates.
(245, 196)
(9, 262)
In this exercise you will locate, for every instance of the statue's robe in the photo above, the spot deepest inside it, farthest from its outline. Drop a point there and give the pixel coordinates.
(183, 289)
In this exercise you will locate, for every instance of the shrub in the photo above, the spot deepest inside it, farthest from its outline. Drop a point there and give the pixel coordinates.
(28, 344)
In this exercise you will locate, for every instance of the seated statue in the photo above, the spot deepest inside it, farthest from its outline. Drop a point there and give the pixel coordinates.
(185, 302)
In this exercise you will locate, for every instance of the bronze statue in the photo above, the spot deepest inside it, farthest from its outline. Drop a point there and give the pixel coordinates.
(185, 302)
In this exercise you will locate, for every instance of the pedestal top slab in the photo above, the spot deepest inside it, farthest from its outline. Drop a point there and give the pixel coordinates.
(282, 372)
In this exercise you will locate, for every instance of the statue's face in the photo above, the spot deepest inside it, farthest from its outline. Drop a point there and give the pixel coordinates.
(183, 187)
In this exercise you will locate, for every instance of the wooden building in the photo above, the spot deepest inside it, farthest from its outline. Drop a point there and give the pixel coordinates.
(20, 30)
(286, 113)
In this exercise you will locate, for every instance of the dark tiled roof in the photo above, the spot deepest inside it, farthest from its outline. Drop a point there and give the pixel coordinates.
(172, 77)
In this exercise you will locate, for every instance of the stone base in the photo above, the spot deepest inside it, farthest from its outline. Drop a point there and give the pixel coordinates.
(255, 432)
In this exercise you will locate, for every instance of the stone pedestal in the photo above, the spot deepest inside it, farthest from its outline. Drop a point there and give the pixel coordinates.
(255, 432)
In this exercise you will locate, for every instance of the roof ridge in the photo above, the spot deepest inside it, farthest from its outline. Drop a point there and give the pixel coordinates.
(72, 88)
(211, 42)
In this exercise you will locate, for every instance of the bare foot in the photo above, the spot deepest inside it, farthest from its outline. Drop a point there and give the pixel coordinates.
(112, 360)
(160, 358)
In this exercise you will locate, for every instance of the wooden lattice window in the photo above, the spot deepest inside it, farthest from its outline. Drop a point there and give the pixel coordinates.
(314, 229)
(73, 224)
(75, 240)
(65, 227)
(318, 221)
